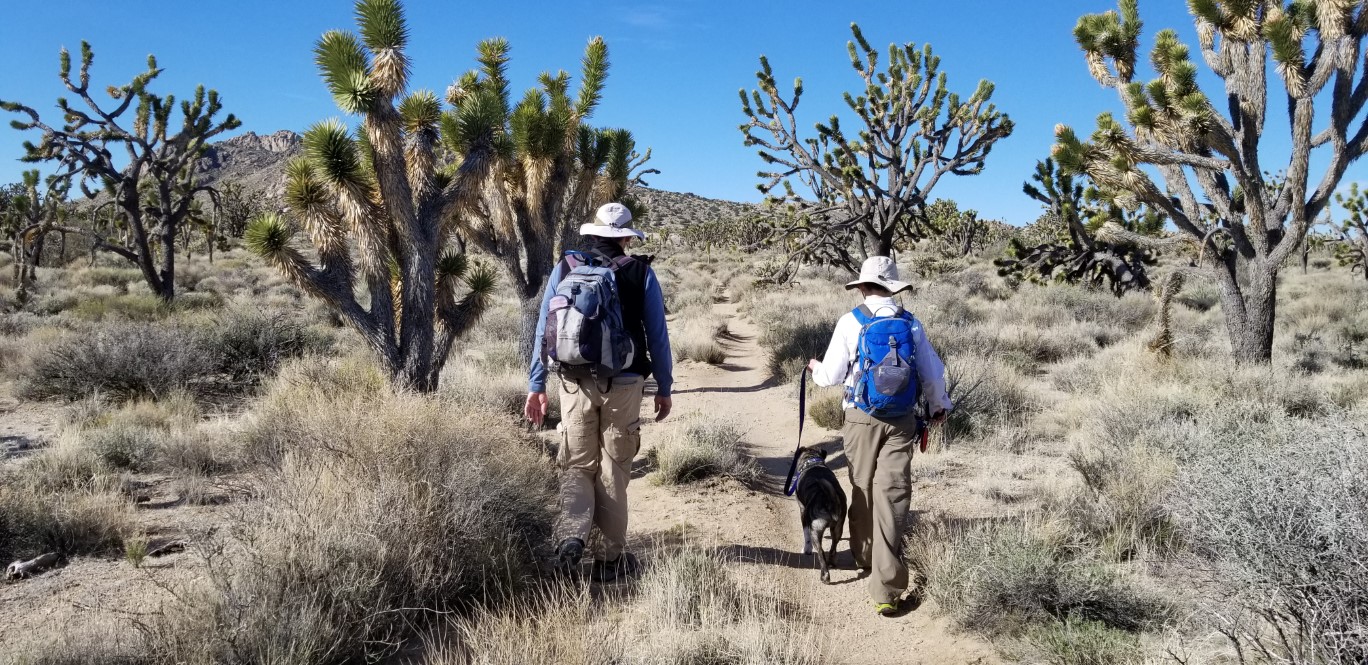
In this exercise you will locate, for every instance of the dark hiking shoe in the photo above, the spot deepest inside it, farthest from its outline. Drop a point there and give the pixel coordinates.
(620, 568)
(886, 609)
(569, 552)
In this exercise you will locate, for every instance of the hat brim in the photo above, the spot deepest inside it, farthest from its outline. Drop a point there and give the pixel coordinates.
(892, 286)
(610, 231)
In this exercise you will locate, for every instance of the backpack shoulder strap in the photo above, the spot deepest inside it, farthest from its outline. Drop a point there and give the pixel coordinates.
(575, 259)
(621, 262)
(863, 315)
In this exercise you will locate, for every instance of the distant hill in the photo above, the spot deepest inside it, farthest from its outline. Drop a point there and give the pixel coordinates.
(257, 163)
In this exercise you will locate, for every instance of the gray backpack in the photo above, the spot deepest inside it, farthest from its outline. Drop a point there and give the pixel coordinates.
(585, 336)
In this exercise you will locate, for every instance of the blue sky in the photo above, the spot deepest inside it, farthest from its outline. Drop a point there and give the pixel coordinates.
(676, 67)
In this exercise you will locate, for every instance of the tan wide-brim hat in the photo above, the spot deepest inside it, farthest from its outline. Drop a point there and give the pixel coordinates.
(612, 221)
(880, 270)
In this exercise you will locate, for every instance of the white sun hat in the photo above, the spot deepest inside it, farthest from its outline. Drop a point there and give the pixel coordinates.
(612, 221)
(882, 271)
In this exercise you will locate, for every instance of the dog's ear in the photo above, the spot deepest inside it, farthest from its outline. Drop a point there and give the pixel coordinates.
(821, 452)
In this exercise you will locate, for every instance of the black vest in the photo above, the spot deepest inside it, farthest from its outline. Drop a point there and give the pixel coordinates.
(631, 283)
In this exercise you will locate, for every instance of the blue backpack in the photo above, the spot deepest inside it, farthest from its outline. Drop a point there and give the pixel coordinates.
(585, 336)
(886, 384)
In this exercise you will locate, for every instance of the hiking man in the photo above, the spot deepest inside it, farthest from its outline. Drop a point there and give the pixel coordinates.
(882, 355)
(600, 396)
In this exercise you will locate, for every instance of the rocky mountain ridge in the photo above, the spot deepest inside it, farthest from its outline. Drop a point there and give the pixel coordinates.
(257, 163)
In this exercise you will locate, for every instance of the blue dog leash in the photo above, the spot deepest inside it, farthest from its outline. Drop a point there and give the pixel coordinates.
(791, 483)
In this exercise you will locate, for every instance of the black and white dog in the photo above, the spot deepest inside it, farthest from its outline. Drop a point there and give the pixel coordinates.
(823, 505)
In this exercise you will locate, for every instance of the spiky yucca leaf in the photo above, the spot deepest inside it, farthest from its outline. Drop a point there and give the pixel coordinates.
(333, 151)
(452, 265)
(482, 279)
(269, 237)
(340, 59)
(479, 118)
(382, 24)
(420, 111)
(594, 73)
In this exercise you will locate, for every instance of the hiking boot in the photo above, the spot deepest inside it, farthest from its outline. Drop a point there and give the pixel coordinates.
(569, 552)
(610, 571)
(886, 609)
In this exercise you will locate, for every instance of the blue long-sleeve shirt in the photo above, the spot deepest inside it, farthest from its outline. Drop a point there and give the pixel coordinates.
(657, 337)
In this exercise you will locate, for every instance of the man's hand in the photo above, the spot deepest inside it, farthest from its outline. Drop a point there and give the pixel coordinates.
(535, 409)
(662, 407)
(814, 365)
(938, 418)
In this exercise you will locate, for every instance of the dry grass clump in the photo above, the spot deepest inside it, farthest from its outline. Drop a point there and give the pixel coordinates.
(689, 608)
(699, 448)
(1022, 577)
(384, 509)
(698, 338)
(92, 518)
(1082, 643)
(990, 397)
(824, 407)
(1281, 508)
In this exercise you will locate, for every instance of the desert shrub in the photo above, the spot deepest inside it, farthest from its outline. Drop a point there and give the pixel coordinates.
(118, 278)
(123, 360)
(130, 307)
(824, 407)
(1121, 506)
(690, 608)
(700, 448)
(36, 520)
(792, 343)
(1084, 643)
(276, 422)
(125, 446)
(502, 389)
(988, 395)
(1004, 577)
(129, 360)
(249, 343)
(1028, 348)
(17, 324)
(1282, 508)
(386, 509)
(1199, 296)
(698, 338)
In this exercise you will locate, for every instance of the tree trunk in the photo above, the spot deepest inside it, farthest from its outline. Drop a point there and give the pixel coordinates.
(529, 311)
(1250, 311)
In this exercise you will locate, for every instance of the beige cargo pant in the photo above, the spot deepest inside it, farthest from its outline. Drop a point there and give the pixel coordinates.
(879, 454)
(601, 433)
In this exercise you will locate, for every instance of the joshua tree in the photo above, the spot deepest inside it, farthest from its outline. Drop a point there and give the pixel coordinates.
(1076, 254)
(30, 215)
(1172, 126)
(384, 191)
(554, 172)
(1351, 237)
(102, 144)
(863, 188)
(959, 232)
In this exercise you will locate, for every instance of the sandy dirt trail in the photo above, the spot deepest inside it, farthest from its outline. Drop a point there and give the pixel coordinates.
(758, 526)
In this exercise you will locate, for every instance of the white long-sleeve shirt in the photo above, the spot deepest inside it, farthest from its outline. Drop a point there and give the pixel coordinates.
(835, 367)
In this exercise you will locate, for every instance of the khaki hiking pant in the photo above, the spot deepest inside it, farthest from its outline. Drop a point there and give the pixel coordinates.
(601, 433)
(879, 454)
